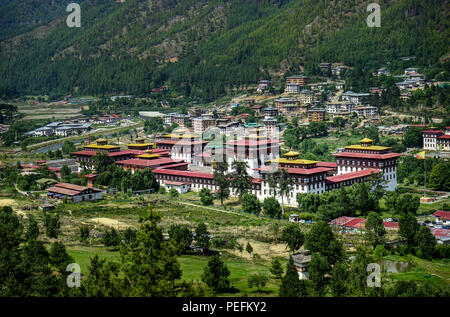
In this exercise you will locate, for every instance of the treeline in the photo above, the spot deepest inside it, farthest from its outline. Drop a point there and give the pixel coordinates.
(29, 269)
(294, 134)
(109, 174)
(332, 272)
(225, 45)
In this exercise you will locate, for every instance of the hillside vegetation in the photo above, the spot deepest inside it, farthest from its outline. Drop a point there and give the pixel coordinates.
(203, 49)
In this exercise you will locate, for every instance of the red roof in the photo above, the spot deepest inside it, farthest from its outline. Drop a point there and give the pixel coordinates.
(204, 154)
(356, 223)
(247, 142)
(183, 173)
(432, 131)
(112, 154)
(297, 170)
(368, 155)
(84, 152)
(445, 215)
(175, 183)
(440, 232)
(29, 165)
(390, 224)
(50, 168)
(180, 142)
(63, 191)
(340, 221)
(148, 163)
(445, 136)
(175, 165)
(327, 164)
(359, 223)
(157, 151)
(352, 175)
(126, 152)
(256, 180)
(71, 186)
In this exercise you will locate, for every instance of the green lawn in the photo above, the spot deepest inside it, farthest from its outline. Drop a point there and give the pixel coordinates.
(193, 266)
(435, 271)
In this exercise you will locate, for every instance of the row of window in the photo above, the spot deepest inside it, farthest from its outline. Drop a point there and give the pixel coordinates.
(363, 163)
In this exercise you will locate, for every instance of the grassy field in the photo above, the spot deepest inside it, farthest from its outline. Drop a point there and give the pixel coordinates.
(436, 271)
(192, 267)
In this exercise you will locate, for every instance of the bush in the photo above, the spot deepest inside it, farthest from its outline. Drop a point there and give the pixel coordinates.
(251, 203)
(173, 193)
(258, 280)
(442, 251)
(111, 239)
(216, 274)
(84, 233)
(52, 225)
(380, 251)
(206, 197)
(182, 236)
(229, 243)
(272, 207)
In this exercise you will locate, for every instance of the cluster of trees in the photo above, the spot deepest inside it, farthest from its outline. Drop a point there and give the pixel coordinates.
(220, 55)
(440, 177)
(7, 112)
(411, 170)
(331, 272)
(402, 203)
(182, 236)
(111, 175)
(295, 134)
(28, 267)
(419, 239)
(356, 200)
(156, 125)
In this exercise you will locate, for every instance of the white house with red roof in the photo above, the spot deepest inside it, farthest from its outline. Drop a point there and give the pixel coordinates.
(442, 217)
(436, 140)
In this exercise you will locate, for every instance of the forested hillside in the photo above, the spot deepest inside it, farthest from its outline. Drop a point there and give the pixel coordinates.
(204, 48)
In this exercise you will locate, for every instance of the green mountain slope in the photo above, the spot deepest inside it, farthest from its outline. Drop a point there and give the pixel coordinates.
(203, 48)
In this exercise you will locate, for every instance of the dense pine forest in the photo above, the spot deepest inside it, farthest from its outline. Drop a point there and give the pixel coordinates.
(203, 49)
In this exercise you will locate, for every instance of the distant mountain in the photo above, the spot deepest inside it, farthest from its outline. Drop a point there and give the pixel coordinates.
(204, 48)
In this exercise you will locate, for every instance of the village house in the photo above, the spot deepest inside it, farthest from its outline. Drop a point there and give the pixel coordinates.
(339, 107)
(442, 217)
(74, 193)
(436, 140)
(356, 98)
(325, 67)
(316, 115)
(301, 263)
(366, 111)
(293, 88)
(297, 79)
(201, 124)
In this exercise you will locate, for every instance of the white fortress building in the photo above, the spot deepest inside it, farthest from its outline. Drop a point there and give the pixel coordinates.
(367, 156)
